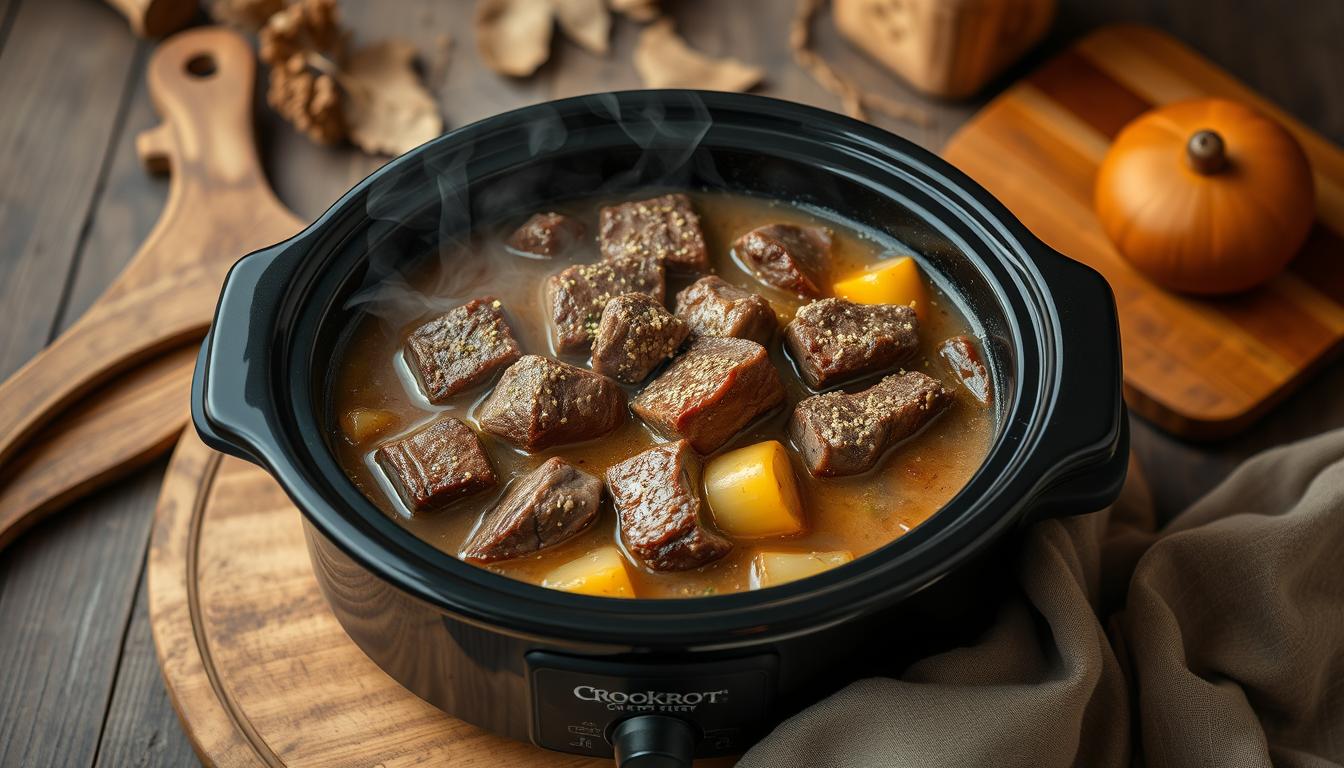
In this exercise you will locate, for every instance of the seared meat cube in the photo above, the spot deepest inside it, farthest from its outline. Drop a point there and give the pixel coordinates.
(461, 348)
(843, 434)
(549, 505)
(833, 340)
(713, 390)
(658, 505)
(577, 296)
(436, 464)
(541, 402)
(797, 259)
(713, 307)
(545, 235)
(963, 360)
(635, 335)
(666, 228)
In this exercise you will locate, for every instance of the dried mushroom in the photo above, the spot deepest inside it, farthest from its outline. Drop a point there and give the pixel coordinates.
(302, 43)
(664, 60)
(373, 97)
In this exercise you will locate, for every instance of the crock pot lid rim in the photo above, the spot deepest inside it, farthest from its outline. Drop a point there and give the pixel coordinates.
(355, 543)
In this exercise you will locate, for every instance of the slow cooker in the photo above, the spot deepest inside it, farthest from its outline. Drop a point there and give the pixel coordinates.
(655, 682)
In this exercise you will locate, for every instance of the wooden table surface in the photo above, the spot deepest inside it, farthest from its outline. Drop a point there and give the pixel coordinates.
(79, 684)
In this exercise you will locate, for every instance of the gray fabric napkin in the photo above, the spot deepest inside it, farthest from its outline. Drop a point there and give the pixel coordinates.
(1216, 641)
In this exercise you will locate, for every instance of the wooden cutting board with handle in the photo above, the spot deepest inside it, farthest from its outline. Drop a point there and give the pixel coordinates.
(1200, 368)
(111, 392)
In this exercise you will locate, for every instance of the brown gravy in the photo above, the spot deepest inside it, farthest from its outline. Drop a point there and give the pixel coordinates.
(858, 514)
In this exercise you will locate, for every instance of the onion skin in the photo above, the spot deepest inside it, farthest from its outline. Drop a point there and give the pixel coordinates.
(1196, 222)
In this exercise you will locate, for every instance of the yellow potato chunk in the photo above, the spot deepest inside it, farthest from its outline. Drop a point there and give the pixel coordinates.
(770, 569)
(753, 493)
(895, 281)
(362, 424)
(601, 573)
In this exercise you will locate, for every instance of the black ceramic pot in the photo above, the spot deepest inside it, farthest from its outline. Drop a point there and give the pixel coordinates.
(665, 677)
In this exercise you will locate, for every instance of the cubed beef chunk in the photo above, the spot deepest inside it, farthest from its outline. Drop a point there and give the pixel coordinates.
(461, 348)
(712, 306)
(658, 506)
(541, 402)
(436, 464)
(666, 228)
(963, 359)
(549, 505)
(545, 235)
(635, 335)
(844, 434)
(576, 297)
(797, 259)
(713, 390)
(834, 340)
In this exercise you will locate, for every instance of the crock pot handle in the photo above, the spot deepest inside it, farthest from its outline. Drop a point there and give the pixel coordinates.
(1084, 453)
(231, 402)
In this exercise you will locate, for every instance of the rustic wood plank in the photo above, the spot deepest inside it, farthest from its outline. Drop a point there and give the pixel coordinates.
(129, 203)
(219, 206)
(62, 105)
(1287, 52)
(142, 728)
(7, 10)
(66, 593)
(74, 578)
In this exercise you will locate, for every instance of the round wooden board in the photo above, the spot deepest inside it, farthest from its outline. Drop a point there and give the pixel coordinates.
(258, 668)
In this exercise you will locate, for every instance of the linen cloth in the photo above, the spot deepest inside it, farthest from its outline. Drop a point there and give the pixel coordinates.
(1216, 641)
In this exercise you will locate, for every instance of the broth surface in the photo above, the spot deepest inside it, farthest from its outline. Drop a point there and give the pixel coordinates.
(859, 513)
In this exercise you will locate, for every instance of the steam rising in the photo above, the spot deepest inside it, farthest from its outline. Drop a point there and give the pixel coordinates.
(548, 159)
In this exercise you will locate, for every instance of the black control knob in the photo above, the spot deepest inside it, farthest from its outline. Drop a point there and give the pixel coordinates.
(654, 741)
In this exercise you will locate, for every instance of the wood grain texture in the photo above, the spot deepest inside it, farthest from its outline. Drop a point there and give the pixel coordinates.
(124, 416)
(219, 207)
(1200, 368)
(258, 668)
(66, 603)
(127, 423)
(142, 728)
(62, 105)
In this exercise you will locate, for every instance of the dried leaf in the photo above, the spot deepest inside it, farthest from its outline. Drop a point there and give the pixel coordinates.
(664, 60)
(637, 10)
(586, 22)
(387, 110)
(514, 36)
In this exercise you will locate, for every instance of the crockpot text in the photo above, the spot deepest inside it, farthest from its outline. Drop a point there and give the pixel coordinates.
(650, 701)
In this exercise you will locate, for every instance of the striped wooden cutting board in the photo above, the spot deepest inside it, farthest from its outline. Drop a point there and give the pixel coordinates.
(1197, 367)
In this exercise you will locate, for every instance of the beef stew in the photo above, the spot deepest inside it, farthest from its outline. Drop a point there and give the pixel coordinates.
(708, 457)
